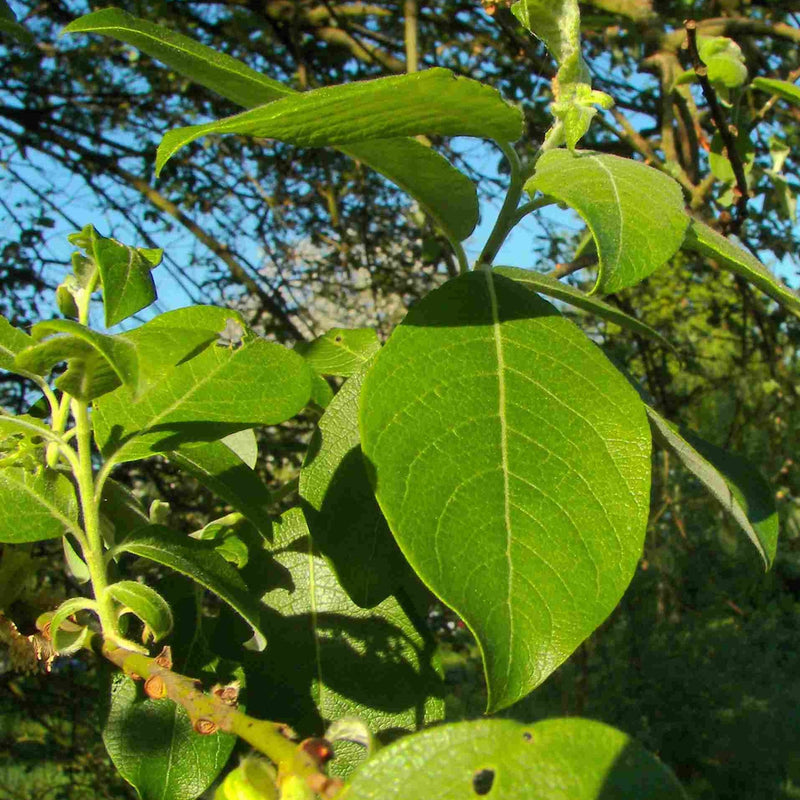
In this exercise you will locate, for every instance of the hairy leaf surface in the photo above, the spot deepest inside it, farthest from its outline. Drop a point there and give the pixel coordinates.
(557, 759)
(36, 505)
(634, 212)
(441, 190)
(433, 102)
(512, 462)
(340, 351)
(198, 389)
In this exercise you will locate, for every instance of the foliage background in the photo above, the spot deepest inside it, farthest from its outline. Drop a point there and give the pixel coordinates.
(700, 660)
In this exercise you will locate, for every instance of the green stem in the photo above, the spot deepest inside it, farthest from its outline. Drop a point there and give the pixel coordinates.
(93, 551)
(533, 205)
(505, 220)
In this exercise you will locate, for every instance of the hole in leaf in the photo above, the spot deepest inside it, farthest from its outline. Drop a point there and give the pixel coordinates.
(482, 781)
(337, 339)
(527, 736)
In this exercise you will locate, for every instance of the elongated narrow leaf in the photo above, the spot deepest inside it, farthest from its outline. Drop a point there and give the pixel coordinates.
(146, 603)
(69, 641)
(557, 759)
(434, 102)
(35, 505)
(76, 566)
(730, 479)
(441, 190)
(340, 351)
(154, 747)
(212, 390)
(784, 89)
(705, 240)
(344, 518)
(12, 342)
(634, 212)
(217, 467)
(336, 659)
(568, 294)
(125, 274)
(512, 462)
(200, 562)
(97, 363)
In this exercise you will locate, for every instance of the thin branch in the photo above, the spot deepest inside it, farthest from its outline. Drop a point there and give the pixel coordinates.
(741, 191)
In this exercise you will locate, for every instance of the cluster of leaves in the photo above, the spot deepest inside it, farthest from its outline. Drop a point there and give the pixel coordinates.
(489, 451)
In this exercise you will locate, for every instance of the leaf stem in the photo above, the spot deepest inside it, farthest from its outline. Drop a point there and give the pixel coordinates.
(533, 205)
(93, 546)
(506, 218)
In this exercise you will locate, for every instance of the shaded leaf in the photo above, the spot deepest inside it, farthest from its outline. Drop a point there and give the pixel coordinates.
(511, 460)
(76, 566)
(221, 470)
(146, 603)
(36, 505)
(200, 562)
(66, 642)
(336, 659)
(9, 25)
(705, 240)
(340, 351)
(154, 747)
(196, 389)
(552, 287)
(96, 363)
(730, 479)
(634, 212)
(441, 190)
(345, 520)
(557, 759)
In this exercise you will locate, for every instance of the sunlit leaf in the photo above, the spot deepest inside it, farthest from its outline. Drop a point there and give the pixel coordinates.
(511, 460)
(557, 759)
(146, 603)
(340, 351)
(634, 212)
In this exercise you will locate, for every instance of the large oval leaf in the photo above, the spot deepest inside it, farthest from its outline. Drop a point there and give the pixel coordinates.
(558, 759)
(512, 462)
(634, 212)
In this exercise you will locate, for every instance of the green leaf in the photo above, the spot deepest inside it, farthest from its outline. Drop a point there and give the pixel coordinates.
(244, 445)
(36, 505)
(96, 363)
(512, 461)
(146, 603)
(433, 102)
(12, 342)
(125, 273)
(9, 25)
(198, 389)
(321, 392)
(76, 566)
(336, 659)
(66, 642)
(221, 470)
(635, 213)
(543, 284)
(340, 351)
(198, 561)
(724, 60)
(120, 507)
(344, 518)
(557, 759)
(705, 240)
(253, 779)
(784, 89)
(730, 479)
(154, 747)
(441, 190)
